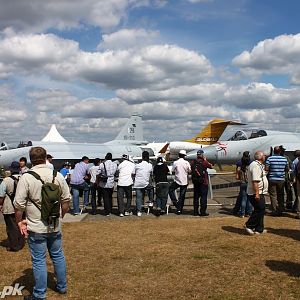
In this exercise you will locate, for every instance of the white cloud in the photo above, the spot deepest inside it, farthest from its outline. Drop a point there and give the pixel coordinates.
(272, 56)
(203, 93)
(37, 16)
(128, 38)
(51, 100)
(28, 53)
(261, 95)
(158, 65)
(97, 108)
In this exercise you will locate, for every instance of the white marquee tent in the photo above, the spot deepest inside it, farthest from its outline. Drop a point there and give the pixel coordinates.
(53, 136)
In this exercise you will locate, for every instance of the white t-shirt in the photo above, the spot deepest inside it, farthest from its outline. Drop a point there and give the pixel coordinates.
(49, 164)
(182, 168)
(256, 172)
(94, 171)
(143, 172)
(126, 169)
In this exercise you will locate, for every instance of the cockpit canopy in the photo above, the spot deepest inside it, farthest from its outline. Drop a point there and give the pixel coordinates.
(24, 144)
(247, 134)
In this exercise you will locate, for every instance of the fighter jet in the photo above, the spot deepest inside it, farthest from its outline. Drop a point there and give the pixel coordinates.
(209, 135)
(229, 152)
(126, 143)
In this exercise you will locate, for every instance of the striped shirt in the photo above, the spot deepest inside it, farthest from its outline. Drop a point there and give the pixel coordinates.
(277, 165)
(80, 171)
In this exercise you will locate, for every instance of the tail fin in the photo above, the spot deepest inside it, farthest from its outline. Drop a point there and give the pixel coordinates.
(211, 133)
(132, 132)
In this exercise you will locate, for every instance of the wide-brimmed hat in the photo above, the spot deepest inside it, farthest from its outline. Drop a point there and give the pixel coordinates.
(14, 167)
(183, 152)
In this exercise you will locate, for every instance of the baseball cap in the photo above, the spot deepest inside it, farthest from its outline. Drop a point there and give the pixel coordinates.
(200, 151)
(125, 156)
(14, 167)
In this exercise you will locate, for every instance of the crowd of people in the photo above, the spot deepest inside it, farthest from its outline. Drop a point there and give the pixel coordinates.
(143, 178)
(34, 200)
(277, 176)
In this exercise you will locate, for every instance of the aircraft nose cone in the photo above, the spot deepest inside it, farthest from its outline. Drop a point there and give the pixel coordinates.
(191, 155)
(209, 152)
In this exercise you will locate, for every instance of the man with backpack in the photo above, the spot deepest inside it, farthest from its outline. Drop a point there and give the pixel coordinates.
(44, 196)
(7, 194)
(200, 181)
(181, 168)
(107, 172)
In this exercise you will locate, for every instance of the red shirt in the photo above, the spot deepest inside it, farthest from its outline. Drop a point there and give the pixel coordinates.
(206, 166)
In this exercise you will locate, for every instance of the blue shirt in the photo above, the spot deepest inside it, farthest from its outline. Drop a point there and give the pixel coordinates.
(64, 172)
(294, 166)
(277, 165)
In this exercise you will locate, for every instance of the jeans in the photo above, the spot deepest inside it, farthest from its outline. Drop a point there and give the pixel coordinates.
(180, 202)
(139, 199)
(107, 199)
(38, 245)
(162, 190)
(276, 191)
(200, 191)
(149, 190)
(75, 192)
(246, 207)
(127, 190)
(256, 220)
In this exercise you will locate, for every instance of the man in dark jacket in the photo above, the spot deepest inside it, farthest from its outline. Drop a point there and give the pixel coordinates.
(200, 180)
(160, 173)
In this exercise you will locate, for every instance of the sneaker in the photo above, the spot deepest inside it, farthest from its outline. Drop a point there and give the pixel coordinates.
(107, 215)
(139, 214)
(241, 216)
(264, 231)
(249, 230)
(162, 212)
(127, 213)
(150, 204)
(121, 215)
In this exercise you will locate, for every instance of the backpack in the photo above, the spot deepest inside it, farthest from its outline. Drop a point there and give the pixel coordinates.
(198, 171)
(51, 199)
(13, 194)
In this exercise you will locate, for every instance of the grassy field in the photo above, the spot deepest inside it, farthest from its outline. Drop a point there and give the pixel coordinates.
(186, 258)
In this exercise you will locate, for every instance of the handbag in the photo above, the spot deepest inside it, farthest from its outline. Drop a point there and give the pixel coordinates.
(102, 177)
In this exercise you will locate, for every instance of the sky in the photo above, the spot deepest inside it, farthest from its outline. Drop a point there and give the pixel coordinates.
(87, 65)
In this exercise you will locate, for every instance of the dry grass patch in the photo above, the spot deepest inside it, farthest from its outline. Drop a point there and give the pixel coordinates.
(171, 259)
